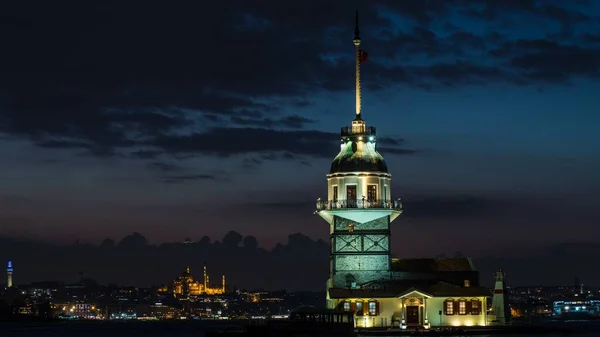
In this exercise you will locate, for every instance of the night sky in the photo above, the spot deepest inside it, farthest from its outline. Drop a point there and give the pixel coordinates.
(188, 119)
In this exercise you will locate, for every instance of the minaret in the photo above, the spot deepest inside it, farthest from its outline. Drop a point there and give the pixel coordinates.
(223, 282)
(359, 207)
(499, 308)
(9, 272)
(205, 277)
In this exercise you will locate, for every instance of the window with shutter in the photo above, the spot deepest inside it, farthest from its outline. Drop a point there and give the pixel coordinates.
(373, 308)
(360, 310)
(449, 307)
(346, 306)
(462, 307)
(475, 307)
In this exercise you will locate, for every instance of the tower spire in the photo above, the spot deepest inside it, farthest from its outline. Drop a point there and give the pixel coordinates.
(356, 41)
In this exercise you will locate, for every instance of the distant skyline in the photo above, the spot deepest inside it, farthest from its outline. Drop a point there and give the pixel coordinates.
(300, 263)
(192, 119)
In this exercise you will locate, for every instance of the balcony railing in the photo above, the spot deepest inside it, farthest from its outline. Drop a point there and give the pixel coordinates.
(358, 204)
(347, 131)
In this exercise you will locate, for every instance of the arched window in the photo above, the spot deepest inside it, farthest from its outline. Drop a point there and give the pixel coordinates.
(449, 307)
(475, 306)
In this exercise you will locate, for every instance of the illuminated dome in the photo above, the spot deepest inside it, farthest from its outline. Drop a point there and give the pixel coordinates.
(358, 156)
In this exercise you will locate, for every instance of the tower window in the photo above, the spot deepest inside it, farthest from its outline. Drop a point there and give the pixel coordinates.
(335, 193)
(372, 193)
(351, 196)
(346, 306)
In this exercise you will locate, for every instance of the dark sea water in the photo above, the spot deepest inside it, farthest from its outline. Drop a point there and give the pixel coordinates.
(114, 329)
(166, 328)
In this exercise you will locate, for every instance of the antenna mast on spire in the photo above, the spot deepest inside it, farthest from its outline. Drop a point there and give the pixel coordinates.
(358, 61)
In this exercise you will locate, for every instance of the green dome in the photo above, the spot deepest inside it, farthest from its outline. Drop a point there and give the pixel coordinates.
(358, 156)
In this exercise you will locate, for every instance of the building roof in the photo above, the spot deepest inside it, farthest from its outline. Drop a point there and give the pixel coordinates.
(432, 265)
(399, 288)
(358, 156)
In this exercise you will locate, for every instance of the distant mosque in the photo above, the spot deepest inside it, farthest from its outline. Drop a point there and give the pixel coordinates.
(364, 278)
(186, 285)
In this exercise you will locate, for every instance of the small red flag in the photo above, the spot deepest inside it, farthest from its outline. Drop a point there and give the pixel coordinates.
(362, 56)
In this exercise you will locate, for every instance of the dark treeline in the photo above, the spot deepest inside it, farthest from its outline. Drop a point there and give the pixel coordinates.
(300, 264)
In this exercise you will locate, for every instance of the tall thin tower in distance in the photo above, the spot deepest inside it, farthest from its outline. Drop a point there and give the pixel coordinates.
(9, 272)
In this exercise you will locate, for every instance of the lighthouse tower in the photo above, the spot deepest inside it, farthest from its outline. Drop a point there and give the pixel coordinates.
(359, 207)
(9, 272)
(499, 308)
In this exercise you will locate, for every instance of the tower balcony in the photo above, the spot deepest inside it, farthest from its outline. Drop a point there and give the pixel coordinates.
(357, 130)
(329, 205)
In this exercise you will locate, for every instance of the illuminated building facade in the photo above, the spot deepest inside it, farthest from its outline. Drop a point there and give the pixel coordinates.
(363, 276)
(186, 285)
(9, 274)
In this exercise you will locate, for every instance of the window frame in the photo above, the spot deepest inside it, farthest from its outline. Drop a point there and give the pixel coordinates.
(476, 309)
(373, 308)
(360, 308)
(449, 307)
(462, 307)
(347, 306)
(376, 187)
(355, 186)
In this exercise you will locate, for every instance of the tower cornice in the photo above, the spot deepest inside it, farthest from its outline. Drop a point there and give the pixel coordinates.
(359, 174)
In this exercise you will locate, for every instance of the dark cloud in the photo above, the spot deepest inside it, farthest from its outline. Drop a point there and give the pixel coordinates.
(269, 144)
(260, 158)
(543, 60)
(292, 122)
(452, 206)
(391, 150)
(175, 179)
(174, 174)
(164, 167)
(230, 141)
(145, 154)
(554, 10)
(140, 73)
